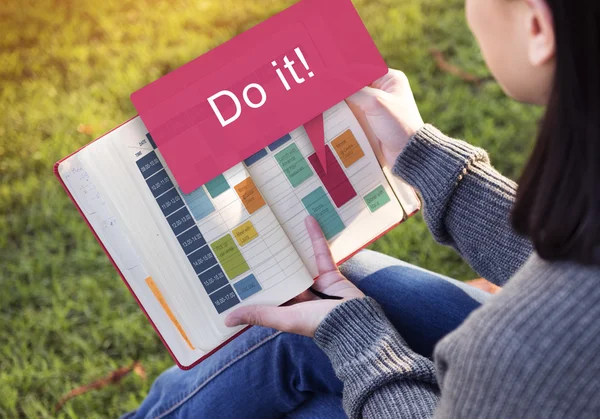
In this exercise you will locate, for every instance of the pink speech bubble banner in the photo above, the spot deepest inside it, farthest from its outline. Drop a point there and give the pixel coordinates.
(236, 99)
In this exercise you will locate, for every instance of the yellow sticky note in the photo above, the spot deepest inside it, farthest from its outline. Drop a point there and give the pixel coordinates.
(245, 233)
(165, 306)
(348, 148)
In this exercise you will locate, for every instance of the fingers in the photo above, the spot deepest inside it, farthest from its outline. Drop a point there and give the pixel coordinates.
(394, 81)
(384, 79)
(365, 99)
(255, 315)
(323, 257)
(292, 319)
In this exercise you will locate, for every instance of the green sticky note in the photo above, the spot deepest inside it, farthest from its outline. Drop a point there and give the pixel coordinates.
(377, 198)
(217, 186)
(318, 204)
(229, 256)
(294, 165)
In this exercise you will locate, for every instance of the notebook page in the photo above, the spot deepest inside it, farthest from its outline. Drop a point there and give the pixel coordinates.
(93, 204)
(404, 192)
(146, 238)
(225, 237)
(352, 201)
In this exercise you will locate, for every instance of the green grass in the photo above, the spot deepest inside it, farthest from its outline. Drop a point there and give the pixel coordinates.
(67, 69)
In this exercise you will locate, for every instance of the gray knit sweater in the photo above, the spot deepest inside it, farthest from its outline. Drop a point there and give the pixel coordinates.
(533, 350)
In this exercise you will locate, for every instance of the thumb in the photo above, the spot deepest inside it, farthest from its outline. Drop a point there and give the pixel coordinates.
(302, 318)
(267, 316)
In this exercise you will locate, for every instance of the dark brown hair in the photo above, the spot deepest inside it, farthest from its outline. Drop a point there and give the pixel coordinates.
(558, 200)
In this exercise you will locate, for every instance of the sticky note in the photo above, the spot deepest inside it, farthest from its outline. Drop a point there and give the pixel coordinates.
(335, 180)
(159, 183)
(224, 299)
(278, 143)
(212, 279)
(149, 164)
(250, 196)
(169, 202)
(202, 259)
(191, 240)
(199, 203)
(180, 221)
(247, 287)
(347, 148)
(245, 233)
(377, 198)
(163, 303)
(318, 204)
(217, 186)
(229, 256)
(293, 165)
(255, 157)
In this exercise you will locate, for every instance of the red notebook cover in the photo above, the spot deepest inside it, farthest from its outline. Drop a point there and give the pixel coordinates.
(184, 367)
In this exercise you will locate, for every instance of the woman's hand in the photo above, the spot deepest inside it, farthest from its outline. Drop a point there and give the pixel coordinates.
(303, 314)
(388, 112)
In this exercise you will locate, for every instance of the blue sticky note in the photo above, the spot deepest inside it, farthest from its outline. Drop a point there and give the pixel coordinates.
(213, 279)
(180, 221)
(278, 143)
(199, 203)
(159, 183)
(169, 202)
(247, 287)
(191, 240)
(224, 299)
(255, 157)
(149, 164)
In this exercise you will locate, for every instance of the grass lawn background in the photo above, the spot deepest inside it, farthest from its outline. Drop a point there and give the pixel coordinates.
(67, 70)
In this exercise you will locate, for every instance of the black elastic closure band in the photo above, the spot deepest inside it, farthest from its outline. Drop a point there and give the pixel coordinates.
(324, 296)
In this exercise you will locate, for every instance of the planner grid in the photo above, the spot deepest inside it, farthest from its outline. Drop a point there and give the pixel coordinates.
(292, 180)
(230, 236)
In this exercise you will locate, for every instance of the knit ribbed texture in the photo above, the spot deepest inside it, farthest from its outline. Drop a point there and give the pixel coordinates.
(375, 363)
(530, 351)
(466, 202)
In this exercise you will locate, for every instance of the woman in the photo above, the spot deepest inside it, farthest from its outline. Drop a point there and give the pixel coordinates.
(531, 350)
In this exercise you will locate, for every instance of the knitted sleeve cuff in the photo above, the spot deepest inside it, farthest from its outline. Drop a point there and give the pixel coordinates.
(357, 333)
(351, 328)
(368, 354)
(434, 163)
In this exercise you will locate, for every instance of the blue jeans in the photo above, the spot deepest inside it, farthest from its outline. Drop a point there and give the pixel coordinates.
(269, 374)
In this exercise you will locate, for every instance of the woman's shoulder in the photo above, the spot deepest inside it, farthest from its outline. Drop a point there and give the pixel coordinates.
(535, 341)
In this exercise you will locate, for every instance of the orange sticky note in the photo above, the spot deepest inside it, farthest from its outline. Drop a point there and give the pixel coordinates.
(347, 148)
(250, 196)
(165, 306)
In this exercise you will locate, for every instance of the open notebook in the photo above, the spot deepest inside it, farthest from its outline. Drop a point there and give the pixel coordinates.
(239, 239)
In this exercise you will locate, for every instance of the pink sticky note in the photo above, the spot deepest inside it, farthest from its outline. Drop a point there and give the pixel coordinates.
(229, 103)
